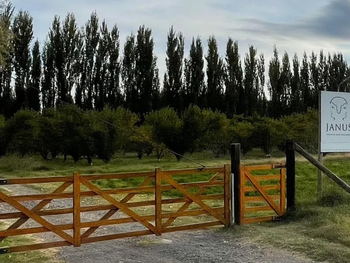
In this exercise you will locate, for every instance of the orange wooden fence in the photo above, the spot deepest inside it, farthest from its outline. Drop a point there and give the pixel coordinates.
(262, 195)
(88, 208)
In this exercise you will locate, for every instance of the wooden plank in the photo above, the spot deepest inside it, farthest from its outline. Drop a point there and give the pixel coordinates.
(242, 195)
(227, 173)
(194, 198)
(251, 220)
(91, 177)
(37, 246)
(39, 206)
(113, 210)
(259, 167)
(76, 210)
(257, 209)
(32, 230)
(158, 198)
(197, 184)
(323, 168)
(268, 199)
(267, 177)
(31, 214)
(283, 191)
(259, 198)
(264, 187)
(116, 236)
(119, 205)
(40, 180)
(37, 197)
(126, 220)
(194, 171)
(188, 203)
(192, 227)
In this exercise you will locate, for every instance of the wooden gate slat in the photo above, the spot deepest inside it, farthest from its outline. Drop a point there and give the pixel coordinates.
(193, 198)
(119, 205)
(36, 218)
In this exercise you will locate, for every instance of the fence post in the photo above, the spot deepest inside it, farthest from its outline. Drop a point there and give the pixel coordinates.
(227, 195)
(158, 201)
(290, 164)
(76, 209)
(235, 189)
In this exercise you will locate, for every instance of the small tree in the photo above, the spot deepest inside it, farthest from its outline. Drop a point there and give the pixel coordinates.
(216, 137)
(21, 132)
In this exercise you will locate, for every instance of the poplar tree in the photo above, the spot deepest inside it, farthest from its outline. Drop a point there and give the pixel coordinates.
(35, 76)
(22, 36)
(215, 77)
(233, 79)
(194, 75)
(114, 96)
(146, 74)
(174, 70)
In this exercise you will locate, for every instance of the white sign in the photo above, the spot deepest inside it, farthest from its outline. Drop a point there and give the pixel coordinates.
(335, 121)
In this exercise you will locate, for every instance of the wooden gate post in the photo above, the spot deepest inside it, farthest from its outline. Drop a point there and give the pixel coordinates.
(290, 164)
(76, 209)
(158, 201)
(236, 171)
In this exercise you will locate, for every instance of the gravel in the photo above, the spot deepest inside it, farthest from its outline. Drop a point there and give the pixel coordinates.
(210, 245)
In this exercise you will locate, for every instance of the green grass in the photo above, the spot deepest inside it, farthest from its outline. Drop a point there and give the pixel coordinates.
(319, 228)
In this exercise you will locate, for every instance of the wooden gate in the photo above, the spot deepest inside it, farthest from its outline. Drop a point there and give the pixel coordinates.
(91, 208)
(262, 193)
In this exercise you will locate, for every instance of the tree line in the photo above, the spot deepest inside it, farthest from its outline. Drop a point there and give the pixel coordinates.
(87, 67)
(68, 131)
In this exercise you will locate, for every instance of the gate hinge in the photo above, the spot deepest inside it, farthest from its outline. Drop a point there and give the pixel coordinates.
(3, 182)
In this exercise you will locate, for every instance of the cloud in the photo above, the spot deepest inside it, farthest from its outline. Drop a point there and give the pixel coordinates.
(330, 23)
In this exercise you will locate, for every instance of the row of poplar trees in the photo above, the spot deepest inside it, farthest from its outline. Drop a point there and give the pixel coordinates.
(89, 68)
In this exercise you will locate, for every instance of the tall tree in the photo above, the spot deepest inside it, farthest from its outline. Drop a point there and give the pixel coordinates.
(215, 77)
(233, 80)
(174, 67)
(305, 84)
(22, 37)
(250, 82)
(48, 79)
(194, 75)
(6, 59)
(295, 96)
(71, 40)
(314, 80)
(128, 74)
(262, 106)
(285, 84)
(114, 96)
(92, 37)
(145, 71)
(35, 76)
(274, 85)
(100, 68)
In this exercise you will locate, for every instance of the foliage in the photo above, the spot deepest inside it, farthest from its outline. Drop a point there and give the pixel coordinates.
(21, 131)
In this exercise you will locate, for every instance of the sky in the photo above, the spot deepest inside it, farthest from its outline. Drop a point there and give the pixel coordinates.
(293, 26)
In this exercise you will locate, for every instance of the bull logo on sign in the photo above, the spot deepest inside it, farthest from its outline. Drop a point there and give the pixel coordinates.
(338, 109)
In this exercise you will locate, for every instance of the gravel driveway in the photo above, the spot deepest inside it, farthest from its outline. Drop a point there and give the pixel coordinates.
(211, 245)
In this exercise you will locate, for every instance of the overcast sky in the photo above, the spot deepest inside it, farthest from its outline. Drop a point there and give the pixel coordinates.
(291, 25)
